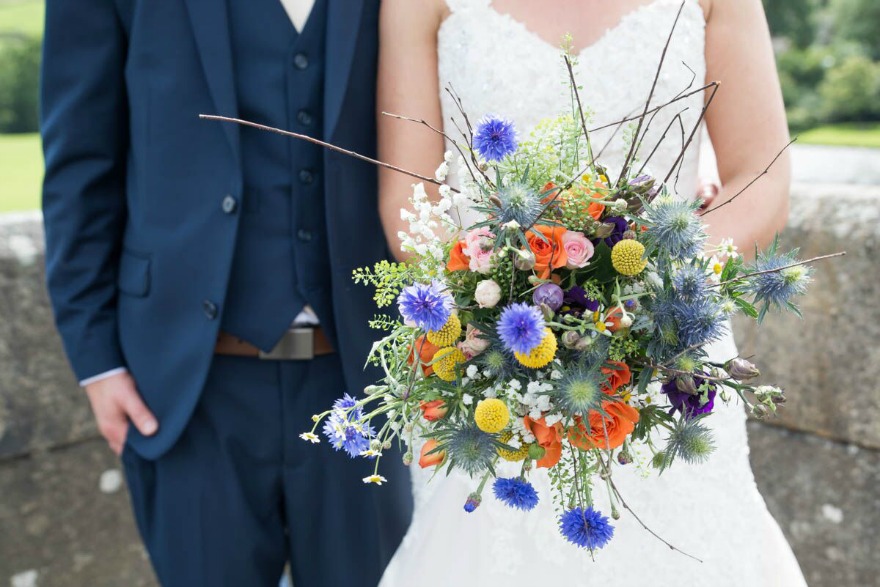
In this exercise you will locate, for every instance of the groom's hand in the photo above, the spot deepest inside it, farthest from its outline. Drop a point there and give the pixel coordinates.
(116, 403)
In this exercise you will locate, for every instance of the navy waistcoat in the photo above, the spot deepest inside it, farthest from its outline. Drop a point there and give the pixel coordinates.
(279, 81)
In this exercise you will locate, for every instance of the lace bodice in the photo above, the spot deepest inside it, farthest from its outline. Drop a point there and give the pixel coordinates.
(497, 65)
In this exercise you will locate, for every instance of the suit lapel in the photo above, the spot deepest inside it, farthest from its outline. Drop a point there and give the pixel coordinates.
(210, 24)
(343, 27)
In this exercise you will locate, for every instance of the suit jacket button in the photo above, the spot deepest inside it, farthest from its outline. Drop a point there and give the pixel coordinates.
(210, 309)
(300, 61)
(306, 177)
(230, 204)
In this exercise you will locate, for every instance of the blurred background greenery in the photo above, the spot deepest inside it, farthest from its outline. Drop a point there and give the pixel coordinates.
(828, 53)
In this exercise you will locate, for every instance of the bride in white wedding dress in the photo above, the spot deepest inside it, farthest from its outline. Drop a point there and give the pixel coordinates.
(499, 60)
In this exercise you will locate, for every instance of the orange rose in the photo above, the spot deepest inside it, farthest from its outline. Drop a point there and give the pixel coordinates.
(618, 425)
(549, 438)
(426, 350)
(618, 375)
(549, 251)
(434, 410)
(595, 210)
(435, 458)
(458, 260)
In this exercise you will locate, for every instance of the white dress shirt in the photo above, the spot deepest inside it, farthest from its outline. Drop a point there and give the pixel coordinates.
(298, 11)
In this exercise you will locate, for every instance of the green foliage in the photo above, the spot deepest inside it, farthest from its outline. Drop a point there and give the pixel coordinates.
(794, 19)
(19, 85)
(857, 21)
(21, 170)
(388, 279)
(851, 91)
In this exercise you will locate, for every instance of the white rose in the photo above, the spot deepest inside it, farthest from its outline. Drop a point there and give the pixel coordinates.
(488, 293)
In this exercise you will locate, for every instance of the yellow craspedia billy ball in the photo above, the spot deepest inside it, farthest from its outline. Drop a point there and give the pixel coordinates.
(447, 335)
(626, 257)
(542, 354)
(491, 415)
(445, 361)
(514, 456)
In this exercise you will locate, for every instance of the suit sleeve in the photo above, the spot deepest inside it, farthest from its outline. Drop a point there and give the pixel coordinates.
(84, 118)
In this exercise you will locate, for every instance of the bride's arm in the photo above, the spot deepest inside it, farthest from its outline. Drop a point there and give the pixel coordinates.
(408, 85)
(747, 124)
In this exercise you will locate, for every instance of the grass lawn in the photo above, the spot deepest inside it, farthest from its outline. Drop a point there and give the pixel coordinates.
(21, 171)
(843, 135)
(21, 17)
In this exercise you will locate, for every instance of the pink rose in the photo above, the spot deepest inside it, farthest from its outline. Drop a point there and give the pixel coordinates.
(578, 247)
(479, 246)
(473, 344)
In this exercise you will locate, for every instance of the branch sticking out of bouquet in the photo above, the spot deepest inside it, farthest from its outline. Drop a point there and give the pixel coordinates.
(580, 108)
(778, 269)
(756, 178)
(326, 145)
(632, 149)
(694, 130)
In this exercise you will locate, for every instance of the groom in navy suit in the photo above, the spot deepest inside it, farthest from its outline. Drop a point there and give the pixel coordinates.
(200, 273)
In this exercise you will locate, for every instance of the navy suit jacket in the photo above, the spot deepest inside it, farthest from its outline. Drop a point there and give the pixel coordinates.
(138, 244)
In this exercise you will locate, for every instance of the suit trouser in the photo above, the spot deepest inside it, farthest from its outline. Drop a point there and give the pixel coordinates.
(240, 494)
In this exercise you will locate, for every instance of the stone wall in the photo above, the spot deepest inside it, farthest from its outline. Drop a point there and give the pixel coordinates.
(64, 510)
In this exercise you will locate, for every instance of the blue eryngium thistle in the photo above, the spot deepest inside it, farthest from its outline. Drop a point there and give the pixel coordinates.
(521, 327)
(517, 202)
(495, 138)
(682, 324)
(690, 441)
(580, 389)
(468, 448)
(777, 288)
(425, 304)
(586, 528)
(674, 227)
(516, 492)
(690, 283)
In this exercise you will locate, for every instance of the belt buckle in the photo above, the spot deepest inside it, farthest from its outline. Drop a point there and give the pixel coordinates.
(297, 344)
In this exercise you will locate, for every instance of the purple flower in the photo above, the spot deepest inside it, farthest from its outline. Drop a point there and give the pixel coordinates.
(690, 404)
(586, 528)
(516, 492)
(576, 301)
(495, 138)
(620, 226)
(521, 327)
(426, 305)
(548, 294)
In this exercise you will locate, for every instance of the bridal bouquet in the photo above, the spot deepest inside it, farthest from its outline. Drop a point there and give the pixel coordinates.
(566, 329)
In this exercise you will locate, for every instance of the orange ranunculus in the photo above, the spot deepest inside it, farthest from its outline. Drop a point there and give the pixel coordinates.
(434, 410)
(551, 196)
(595, 210)
(549, 251)
(435, 458)
(619, 424)
(618, 375)
(458, 259)
(426, 350)
(549, 438)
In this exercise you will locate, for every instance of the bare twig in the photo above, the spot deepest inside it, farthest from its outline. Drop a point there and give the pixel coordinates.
(326, 145)
(660, 107)
(580, 107)
(806, 262)
(676, 118)
(631, 154)
(693, 132)
(756, 178)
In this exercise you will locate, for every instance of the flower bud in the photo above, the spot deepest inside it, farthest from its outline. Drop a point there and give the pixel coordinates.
(536, 452)
(546, 312)
(407, 459)
(604, 230)
(570, 339)
(615, 513)
(524, 260)
(626, 321)
(629, 235)
(386, 445)
(741, 369)
(685, 384)
(624, 458)
(549, 294)
(488, 293)
(473, 502)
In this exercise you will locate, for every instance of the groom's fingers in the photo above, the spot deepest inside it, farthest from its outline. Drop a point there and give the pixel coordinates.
(138, 413)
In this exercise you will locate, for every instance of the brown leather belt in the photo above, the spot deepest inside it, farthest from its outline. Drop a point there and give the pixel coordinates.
(297, 344)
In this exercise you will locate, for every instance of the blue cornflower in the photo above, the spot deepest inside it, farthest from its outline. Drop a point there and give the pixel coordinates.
(674, 228)
(586, 528)
(425, 304)
(777, 288)
(521, 327)
(495, 138)
(516, 492)
(345, 428)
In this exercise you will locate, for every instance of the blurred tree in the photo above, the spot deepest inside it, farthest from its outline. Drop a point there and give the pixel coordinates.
(795, 20)
(19, 85)
(858, 21)
(851, 91)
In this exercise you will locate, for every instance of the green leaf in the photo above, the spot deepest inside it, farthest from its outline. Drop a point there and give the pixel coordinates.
(746, 308)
